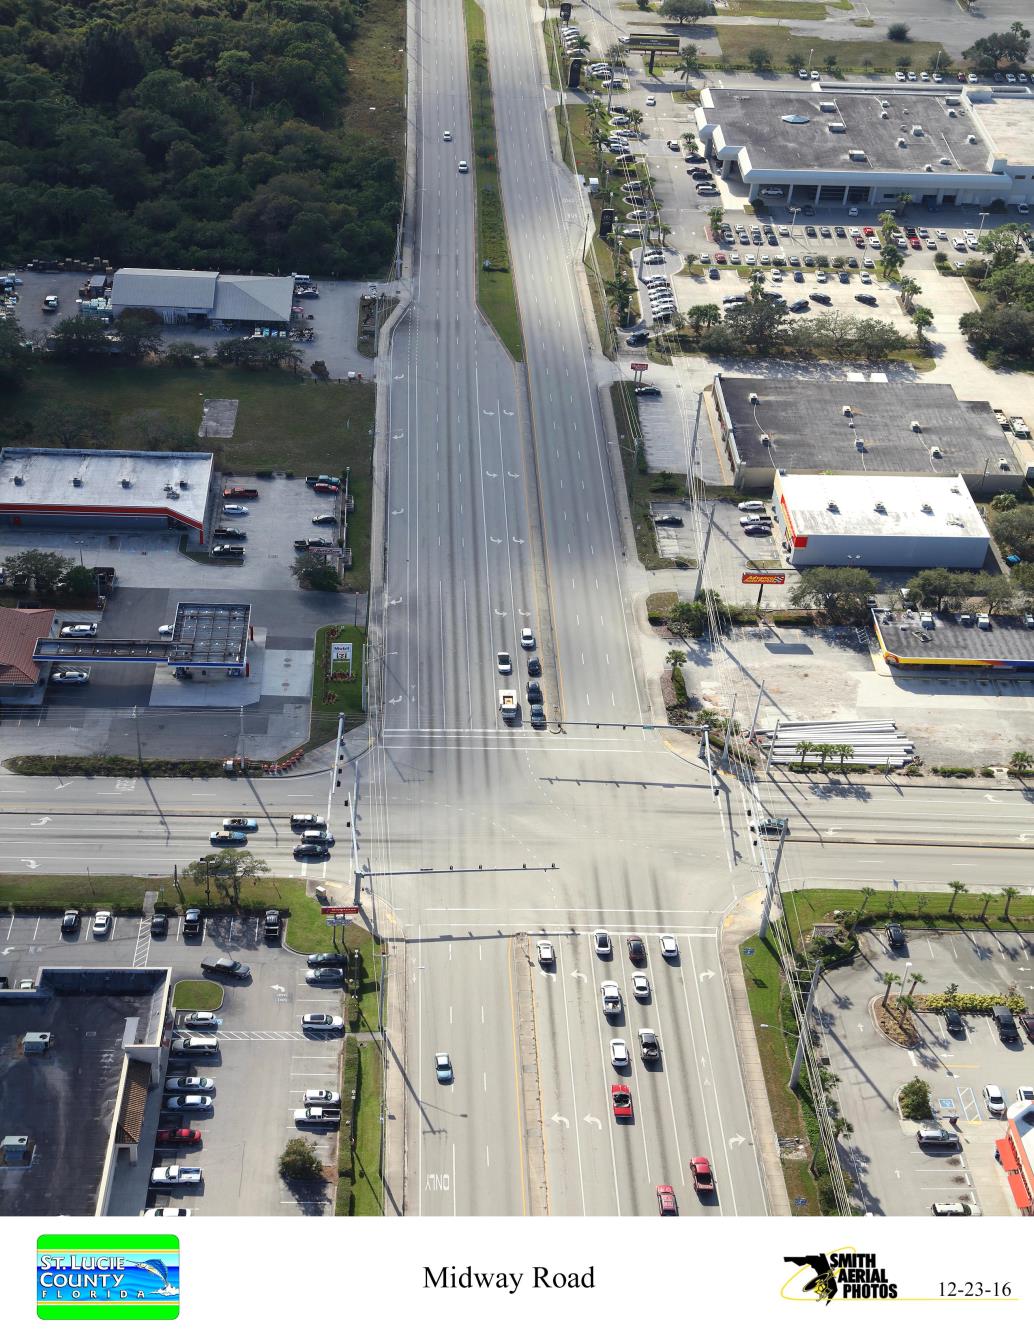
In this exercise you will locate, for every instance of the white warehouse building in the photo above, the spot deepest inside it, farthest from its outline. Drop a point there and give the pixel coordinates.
(879, 520)
(938, 144)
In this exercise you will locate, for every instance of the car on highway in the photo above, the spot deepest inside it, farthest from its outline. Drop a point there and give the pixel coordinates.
(70, 676)
(176, 1175)
(527, 639)
(503, 662)
(463, 166)
(537, 715)
(636, 949)
(601, 942)
(534, 691)
(321, 1022)
(240, 824)
(189, 1085)
(669, 945)
(619, 1053)
(201, 1019)
(994, 1100)
(234, 509)
(896, 937)
(649, 1045)
(447, 136)
(534, 666)
(774, 826)
(70, 922)
(545, 952)
(610, 996)
(327, 959)
(322, 1096)
(311, 850)
(702, 1175)
(640, 986)
(102, 923)
(325, 975)
(178, 1137)
(621, 1101)
(228, 838)
(667, 1205)
(188, 1102)
(443, 1066)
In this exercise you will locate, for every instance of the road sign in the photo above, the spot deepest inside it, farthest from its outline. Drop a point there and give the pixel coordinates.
(339, 910)
(654, 42)
(640, 366)
(763, 578)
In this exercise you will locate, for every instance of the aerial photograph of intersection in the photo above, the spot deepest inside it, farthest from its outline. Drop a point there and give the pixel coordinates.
(516, 609)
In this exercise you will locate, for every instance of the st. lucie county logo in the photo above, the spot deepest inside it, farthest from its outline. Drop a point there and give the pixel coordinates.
(108, 1277)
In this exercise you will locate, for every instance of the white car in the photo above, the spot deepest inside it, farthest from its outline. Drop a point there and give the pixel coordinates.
(942, 234)
(443, 1066)
(321, 1022)
(651, 101)
(503, 662)
(317, 1115)
(900, 77)
(601, 942)
(71, 676)
(619, 120)
(994, 1099)
(971, 78)
(447, 136)
(198, 1045)
(669, 946)
(79, 629)
(640, 986)
(188, 1103)
(189, 1085)
(527, 639)
(176, 1175)
(322, 1096)
(463, 166)
(611, 997)
(102, 923)
(619, 1054)
(234, 509)
(545, 952)
(201, 1020)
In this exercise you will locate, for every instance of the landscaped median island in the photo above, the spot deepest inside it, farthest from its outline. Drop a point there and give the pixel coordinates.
(337, 681)
(497, 296)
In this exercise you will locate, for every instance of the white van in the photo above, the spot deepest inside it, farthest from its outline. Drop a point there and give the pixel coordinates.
(751, 506)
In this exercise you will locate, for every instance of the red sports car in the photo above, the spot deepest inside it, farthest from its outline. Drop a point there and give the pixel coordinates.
(178, 1137)
(666, 1204)
(621, 1100)
(703, 1177)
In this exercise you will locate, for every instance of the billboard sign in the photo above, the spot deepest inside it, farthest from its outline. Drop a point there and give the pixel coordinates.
(763, 578)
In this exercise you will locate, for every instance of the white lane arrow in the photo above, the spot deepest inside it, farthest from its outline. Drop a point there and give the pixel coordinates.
(489, 413)
(593, 1119)
(490, 475)
(494, 541)
(512, 476)
(1026, 836)
(393, 602)
(397, 436)
(500, 613)
(831, 831)
(29, 863)
(515, 540)
(706, 975)
(736, 1140)
(560, 1119)
(579, 975)
(401, 376)
(508, 413)
(394, 701)
(991, 799)
(63, 785)
(400, 512)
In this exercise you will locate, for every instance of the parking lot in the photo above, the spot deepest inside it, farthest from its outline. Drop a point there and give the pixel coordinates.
(264, 1065)
(893, 1174)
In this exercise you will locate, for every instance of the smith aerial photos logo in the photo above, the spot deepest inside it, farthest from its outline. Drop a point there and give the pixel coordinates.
(843, 1275)
(107, 1277)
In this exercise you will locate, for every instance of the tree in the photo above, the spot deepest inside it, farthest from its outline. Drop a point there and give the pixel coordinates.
(580, 44)
(16, 356)
(1003, 501)
(72, 426)
(300, 1160)
(908, 289)
(922, 319)
(941, 588)
(676, 658)
(139, 337)
(635, 119)
(715, 217)
(1014, 531)
(917, 979)
(999, 333)
(620, 291)
(38, 570)
(904, 199)
(903, 62)
(314, 572)
(875, 339)
(889, 979)
(227, 871)
(1021, 761)
(756, 325)
(988, 52)
(759, 58)
(804, 747)
(703, 316)
(689, 142)
(999, 592)
(319, 370)
(898, 32)
(184, 353)
(79, 339)
(845, 752)
(889, 263)
(914, 1099)
(687, 65)
(830, 61)
(79, 582)
(1010, 892)
(840, 592)
(1002, 245)
(686, 11)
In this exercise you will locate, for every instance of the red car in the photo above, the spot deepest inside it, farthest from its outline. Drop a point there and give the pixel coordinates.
(720, 257)
(915, 243)
(859, 241)
(177, 1137)
(869, 232)
(666, 1204)
(241, 493)
(703, 1178)
(621, 1100)
(325, 487)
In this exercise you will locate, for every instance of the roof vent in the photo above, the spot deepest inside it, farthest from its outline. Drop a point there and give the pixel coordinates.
(171, 493)
(935, 453)
(884, 102)
(884, 116)
(915, 425)
(827, 106)
(753, 397)
(927, 167)
(917, 130)
(184, 483)
(971, 139)
(837, 128)
(859, 444)
(902, 143)
(856, 155)
(765, 439)
(926, 509)
(832, 506)
(18, 481)
(126, 483)
(945, 162)
(1004, 464)
(881, 508)
(952, 113)
(77, 483)
(847, 411)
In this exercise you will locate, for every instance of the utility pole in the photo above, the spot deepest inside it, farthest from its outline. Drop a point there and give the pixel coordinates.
(798, 1059)
(702, 560)
(757, 707)
(728, 731)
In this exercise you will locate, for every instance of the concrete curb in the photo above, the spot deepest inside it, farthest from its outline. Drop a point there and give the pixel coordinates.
(740, 924)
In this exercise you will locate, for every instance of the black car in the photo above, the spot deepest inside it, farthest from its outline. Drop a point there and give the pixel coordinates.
(896, 936)
(802, 305)
(636, 949)
(534, 666)
(647, 390)
(695, 158)
(852, 262)
(840, 232)
(231, 534)
(637, 339)
(70, 922)
(668, 520)
(192, 921)
(844, 276)
(310, 850)
(1026, 1021)
(159, 923)
(867, 298)
(757, 530)
(953, 1020)
(824, 298)
(810, 230)
(534, 691)
(327, 959)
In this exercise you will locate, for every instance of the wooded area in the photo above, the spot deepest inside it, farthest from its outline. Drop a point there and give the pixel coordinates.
(205, 135)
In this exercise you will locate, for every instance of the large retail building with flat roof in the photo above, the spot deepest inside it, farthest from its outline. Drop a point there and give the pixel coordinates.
(819, 146)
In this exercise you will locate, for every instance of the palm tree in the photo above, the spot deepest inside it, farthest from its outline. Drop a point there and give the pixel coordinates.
(1010, 892)
(804, 748)
(922, 319)
(845, 752)
(957, 889)
(687, 64)
(714, 217)
(1021, 761)
(890, 264)
(908, 290)
(580, 44)
(917, 979)
(635, 119)
(620, 290)
(703, 316)
(689, 142)
(676, 658)
(904, 200)
(889, 979)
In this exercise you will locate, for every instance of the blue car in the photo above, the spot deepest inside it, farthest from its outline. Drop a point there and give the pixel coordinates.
(228, 839)
(240, 825)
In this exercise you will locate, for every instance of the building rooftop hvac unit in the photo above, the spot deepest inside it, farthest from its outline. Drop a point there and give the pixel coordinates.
(753, 397)
(902, 143)
(14, 1149)
(915, 425)
(917, 130)
(827, 106)
(837, 128)
(971, 139)
(935, 453)
(884, 116)
(856, 155)
(881, 507)
(859, 444)
(847, 411)
(766, 440)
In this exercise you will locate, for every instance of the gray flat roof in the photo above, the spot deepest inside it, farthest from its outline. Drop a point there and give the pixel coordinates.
(63, 1099)
(260, 297)
(110, 482)
(755, 119)
(193, 288)
(808, 430)
(1007, 641)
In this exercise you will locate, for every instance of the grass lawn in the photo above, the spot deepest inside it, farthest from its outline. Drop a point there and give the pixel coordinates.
(780, 9)
(84, 892)
(376, 105)
(642, 486)
(331, 696)
(780, 43)
(770, 1006)
(197, 994)
(283, 423)
(368, 1194)
(496, 294)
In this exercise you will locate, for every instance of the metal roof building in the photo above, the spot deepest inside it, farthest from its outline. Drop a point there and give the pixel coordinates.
(116, 489)
(180, 295)
(879, 520)
(856, 427)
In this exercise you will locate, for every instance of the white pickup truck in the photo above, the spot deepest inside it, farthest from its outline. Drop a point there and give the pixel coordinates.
(508, 703)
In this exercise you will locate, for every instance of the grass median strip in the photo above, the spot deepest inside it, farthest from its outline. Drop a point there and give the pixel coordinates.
(496, 294)
(333, 691)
